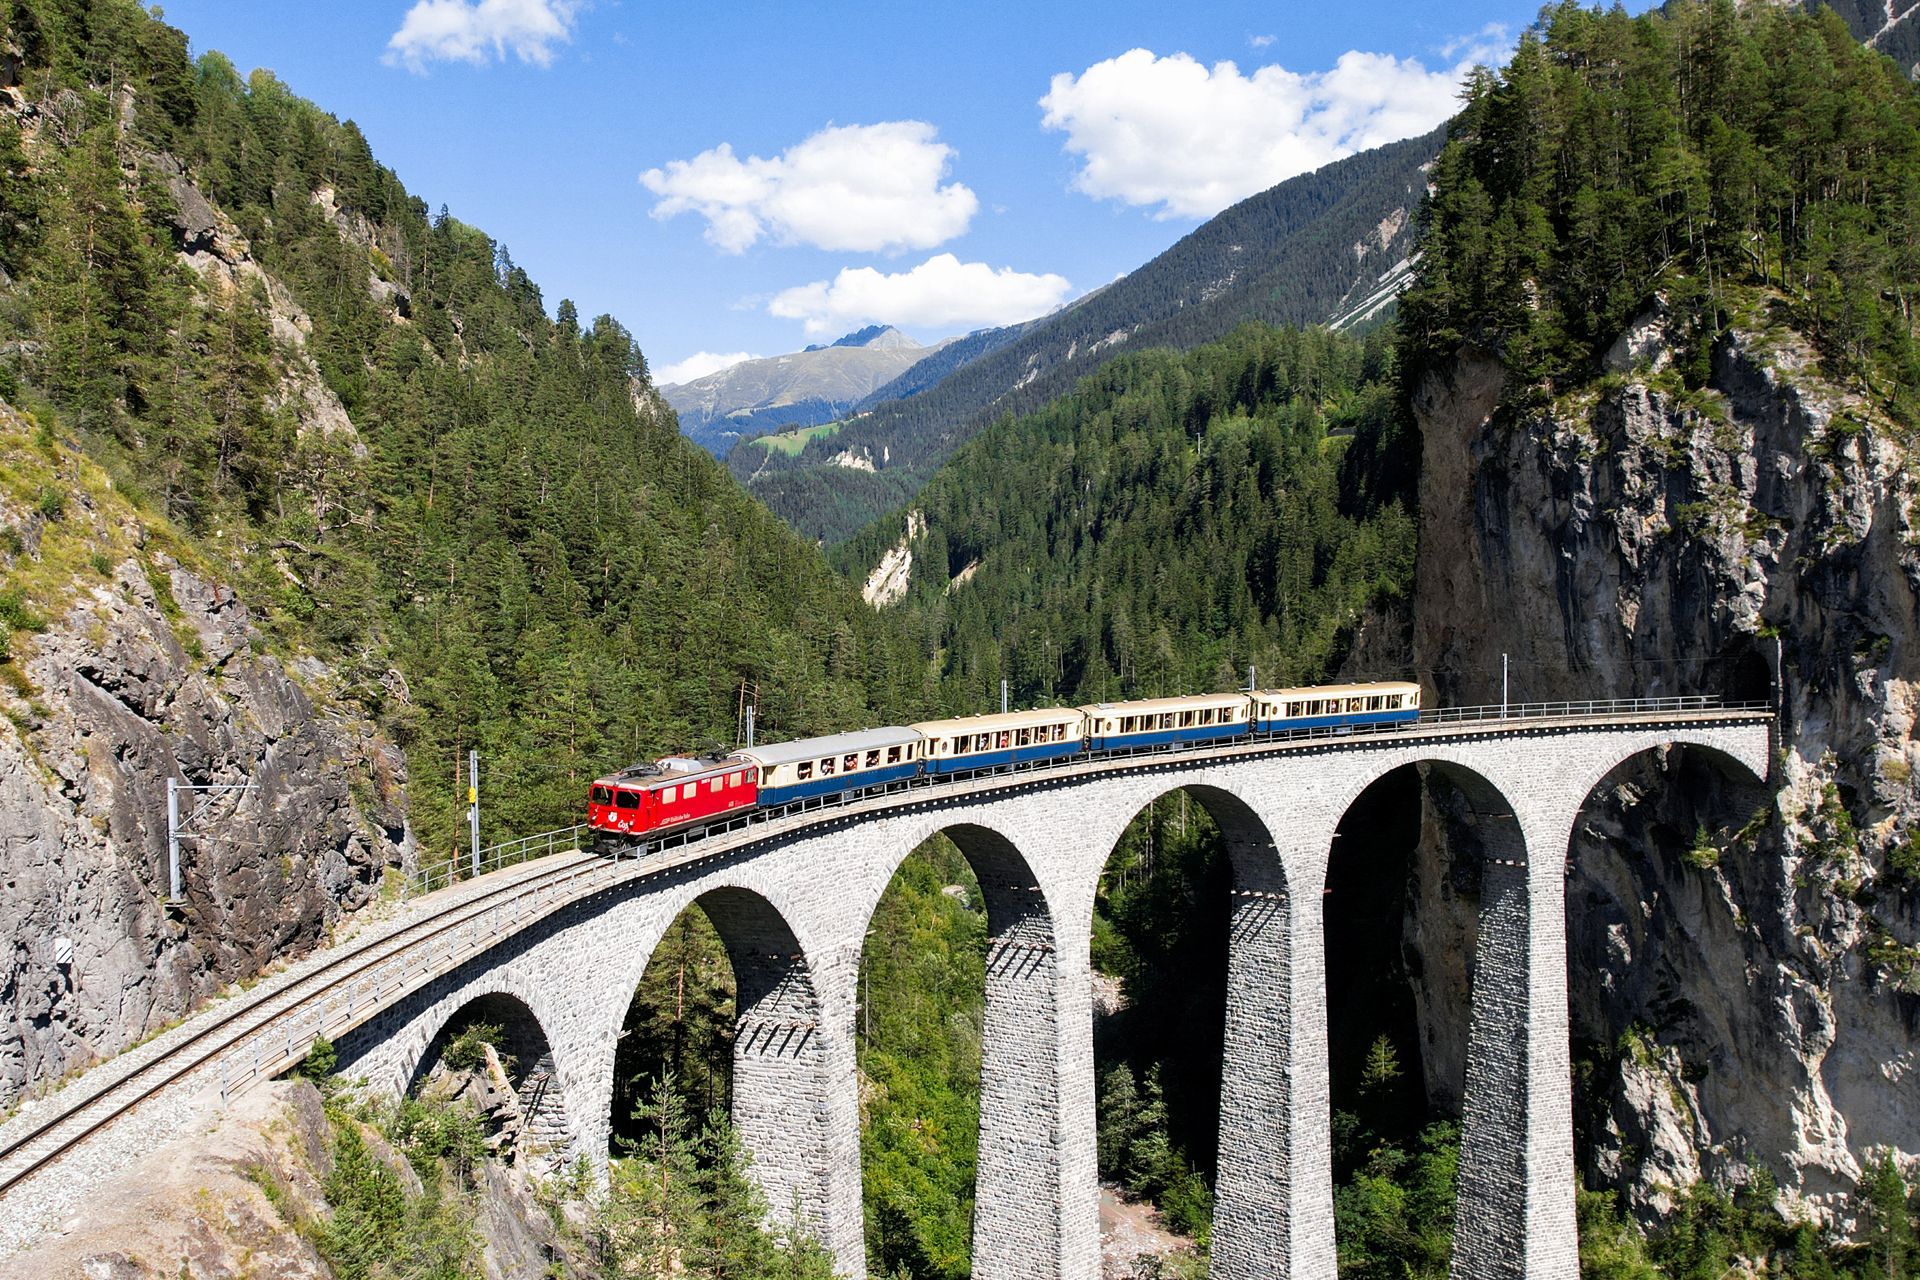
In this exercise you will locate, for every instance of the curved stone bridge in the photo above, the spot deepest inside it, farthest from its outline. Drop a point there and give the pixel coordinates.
(793, 909)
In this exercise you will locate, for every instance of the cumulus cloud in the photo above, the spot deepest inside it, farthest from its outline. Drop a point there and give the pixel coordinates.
(1189, 140)
(696, 366)
(872, 188)
(941, 293)
(479, 31)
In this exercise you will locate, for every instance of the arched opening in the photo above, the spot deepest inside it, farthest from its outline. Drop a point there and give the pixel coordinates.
(1425, 928)
(679, 1028)
(1162, 918)
(493, 1055)
(960, 1096)
(721, 1087)
(1673, 879)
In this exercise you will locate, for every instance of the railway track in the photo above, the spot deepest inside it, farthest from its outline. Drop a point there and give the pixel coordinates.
(283, 1012)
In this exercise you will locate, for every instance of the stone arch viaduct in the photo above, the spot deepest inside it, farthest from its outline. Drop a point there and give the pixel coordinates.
(793, 908)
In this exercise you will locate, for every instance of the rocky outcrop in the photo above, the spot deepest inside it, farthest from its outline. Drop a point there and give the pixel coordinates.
(1746, 974)
(148, 670)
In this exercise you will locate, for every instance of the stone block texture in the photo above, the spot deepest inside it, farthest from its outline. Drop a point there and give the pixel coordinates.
(793, 911)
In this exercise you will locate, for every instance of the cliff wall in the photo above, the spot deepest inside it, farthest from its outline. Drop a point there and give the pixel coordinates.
(1746, 981)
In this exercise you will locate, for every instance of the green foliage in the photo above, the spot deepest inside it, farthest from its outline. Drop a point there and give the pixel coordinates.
(923, 982)
(1698, 148)
(506, 553)
(1394, 1218)
(468, 1050)
(1176, 519)
(681, 1203)
(320, 1061)
(680, 1024)
(377, 1230)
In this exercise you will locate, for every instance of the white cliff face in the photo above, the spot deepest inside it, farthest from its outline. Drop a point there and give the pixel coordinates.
(1746, 974)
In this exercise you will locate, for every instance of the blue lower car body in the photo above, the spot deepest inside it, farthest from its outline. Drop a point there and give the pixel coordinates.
(997, 759)
(1284, 724)
(1169, 737)
(856, 781)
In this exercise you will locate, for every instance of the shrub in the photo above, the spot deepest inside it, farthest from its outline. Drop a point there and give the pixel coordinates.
(468, 1051)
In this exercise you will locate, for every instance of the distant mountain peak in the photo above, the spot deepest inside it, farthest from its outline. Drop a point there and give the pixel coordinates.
(880, 337)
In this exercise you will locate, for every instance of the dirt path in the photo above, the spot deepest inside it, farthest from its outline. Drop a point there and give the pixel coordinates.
(1129, 1228)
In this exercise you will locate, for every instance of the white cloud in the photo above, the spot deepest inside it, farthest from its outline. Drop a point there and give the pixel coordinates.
(1191, 140)
(479, 31)
(1261, 42)
(698, 365)
(863, 188)
(941, 293)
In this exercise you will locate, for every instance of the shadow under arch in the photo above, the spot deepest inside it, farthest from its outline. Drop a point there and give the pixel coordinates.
(1018, 1178)
(541, 1135)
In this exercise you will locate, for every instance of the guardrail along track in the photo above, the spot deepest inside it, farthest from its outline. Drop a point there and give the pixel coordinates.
(264, 1033)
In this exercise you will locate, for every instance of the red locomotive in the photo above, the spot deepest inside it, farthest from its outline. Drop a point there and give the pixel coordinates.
(671, 792)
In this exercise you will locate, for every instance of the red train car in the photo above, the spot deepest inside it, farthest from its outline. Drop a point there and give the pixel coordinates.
(671, 793)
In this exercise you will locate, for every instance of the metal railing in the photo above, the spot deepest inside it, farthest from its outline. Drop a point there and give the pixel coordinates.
(494, 857)
(1592, 707)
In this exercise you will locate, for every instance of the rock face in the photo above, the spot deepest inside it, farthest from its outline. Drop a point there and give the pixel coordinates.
(154, 672)
(1746, 982)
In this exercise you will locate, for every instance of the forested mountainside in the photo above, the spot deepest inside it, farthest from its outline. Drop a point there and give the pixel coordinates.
(1174, 520)
(297, 461)
(1295, 254)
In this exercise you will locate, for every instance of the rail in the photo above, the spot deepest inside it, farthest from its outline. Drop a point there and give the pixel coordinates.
(512, 852)
(270, 1030)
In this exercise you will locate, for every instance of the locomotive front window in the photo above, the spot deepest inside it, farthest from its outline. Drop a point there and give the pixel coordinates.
(627, 800)
(602, 795)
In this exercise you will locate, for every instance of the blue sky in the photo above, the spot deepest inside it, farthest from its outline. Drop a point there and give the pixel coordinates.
(750, 178)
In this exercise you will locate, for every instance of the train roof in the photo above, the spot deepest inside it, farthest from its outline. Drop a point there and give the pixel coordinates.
(998, 720)
(1148, 706)
(1341, 690)
(650, 773)
(833, 744)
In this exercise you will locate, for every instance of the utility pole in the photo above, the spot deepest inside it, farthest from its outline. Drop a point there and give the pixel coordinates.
(177, 828)
(1252, 674)
(750, 710)
(473, 805)
(1503, 686)
(1003, 695)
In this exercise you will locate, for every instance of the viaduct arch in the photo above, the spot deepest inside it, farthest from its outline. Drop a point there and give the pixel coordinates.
(797, 906)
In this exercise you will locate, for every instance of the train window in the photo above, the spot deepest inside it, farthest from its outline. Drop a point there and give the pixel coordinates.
(627, 800)
(893, 755)
(873, 758)
(602, 795)
(1374, 704)
(827, 767)
(806, 771)
(1024, 738)
(716, 784)
(849, 763)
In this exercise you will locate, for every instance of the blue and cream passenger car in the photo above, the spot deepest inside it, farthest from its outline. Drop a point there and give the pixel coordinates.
(812, 767)
(1159, 722)
(1335, 706)
(1015, 737)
